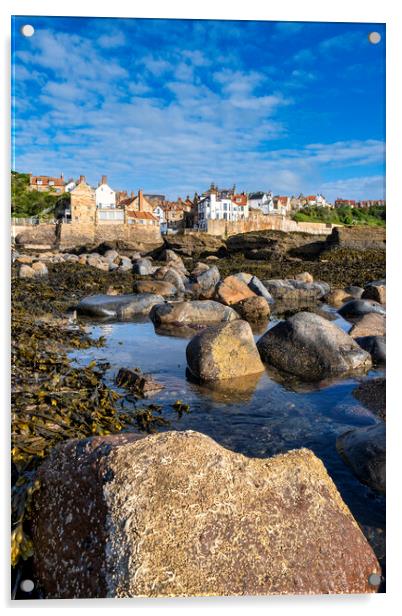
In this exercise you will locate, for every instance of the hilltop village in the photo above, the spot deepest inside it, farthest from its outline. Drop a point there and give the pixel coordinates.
(209, 211)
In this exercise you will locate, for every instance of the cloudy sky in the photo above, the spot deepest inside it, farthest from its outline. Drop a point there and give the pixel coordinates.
(172, 105)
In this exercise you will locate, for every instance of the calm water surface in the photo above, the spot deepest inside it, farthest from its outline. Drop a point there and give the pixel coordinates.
(258, 416)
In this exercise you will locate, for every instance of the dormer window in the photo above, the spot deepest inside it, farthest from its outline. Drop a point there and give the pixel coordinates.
(51, 183)
(39, 182)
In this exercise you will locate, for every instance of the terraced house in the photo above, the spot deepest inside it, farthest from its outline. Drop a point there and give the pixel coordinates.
(224, 204)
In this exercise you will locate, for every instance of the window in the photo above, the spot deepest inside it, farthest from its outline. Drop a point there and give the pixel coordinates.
(51, 183)
(39, 182)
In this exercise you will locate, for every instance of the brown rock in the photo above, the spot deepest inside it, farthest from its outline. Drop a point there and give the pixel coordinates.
(375, 290)
(337, 297)
(223, 351)
(176, 514)
(160, 287)
(137, 382)
(371, 324)
(233, 290)
(40, 268)
(26, 271)
(24, 259)
(304, 277)
(253, 309)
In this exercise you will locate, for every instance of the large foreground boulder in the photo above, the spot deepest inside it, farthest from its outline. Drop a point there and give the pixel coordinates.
(363, 449)
(223, 352)
(176, 514)
(312, 347)
(200, 312)
(118, 306)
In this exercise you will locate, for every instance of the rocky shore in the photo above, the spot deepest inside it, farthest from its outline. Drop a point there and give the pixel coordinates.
(199, 517)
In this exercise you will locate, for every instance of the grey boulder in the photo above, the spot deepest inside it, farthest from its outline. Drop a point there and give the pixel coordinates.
(363, 449)
(187, 312)
(360, 307)
(312, 348)
(118, 306)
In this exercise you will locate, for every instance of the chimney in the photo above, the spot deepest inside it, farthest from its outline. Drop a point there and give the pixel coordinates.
(82, 179)
(104, 179)
(132, 194)
(140, 200)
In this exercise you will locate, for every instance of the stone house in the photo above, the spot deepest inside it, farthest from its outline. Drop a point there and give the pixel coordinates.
(46, 183)
(83, 203)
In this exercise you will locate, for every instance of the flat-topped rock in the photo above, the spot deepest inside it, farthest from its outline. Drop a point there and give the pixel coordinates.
(118, 306)
(290, 290)
(158, 287)
(175, 514)
(312, 348)
(188, 312)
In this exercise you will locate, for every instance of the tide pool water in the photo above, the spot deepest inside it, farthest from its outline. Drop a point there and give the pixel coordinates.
(261, 416)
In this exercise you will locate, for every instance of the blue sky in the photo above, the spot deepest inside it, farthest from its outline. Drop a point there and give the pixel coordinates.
(171, 105)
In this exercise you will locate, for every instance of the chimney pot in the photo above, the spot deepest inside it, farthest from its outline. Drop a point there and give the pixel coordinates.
(104, 179)
(82, 179)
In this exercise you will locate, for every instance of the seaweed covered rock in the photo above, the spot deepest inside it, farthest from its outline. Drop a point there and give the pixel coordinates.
(137, 382)
(363, 449)
(195, 244)
(200, 312)
(223, 352)
(372, 393)
(118, 306)
(312, 348)
(175, 514)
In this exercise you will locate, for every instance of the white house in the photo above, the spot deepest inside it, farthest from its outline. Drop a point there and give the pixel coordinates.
(214, 207)
(160, 215)
(70, 185)
(105, 196)
(262, 201)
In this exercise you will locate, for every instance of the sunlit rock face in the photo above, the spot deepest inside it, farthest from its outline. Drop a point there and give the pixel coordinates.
(176, 514)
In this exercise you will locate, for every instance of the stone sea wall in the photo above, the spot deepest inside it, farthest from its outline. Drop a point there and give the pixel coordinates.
(277, 223)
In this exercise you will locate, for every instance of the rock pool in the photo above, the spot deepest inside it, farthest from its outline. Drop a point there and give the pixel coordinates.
(258, 416)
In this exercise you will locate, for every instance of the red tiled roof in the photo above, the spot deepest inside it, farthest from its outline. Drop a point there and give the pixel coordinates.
(126, 201)
(242, 198)
(311, 198)
(142, 216)
(45, 179)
